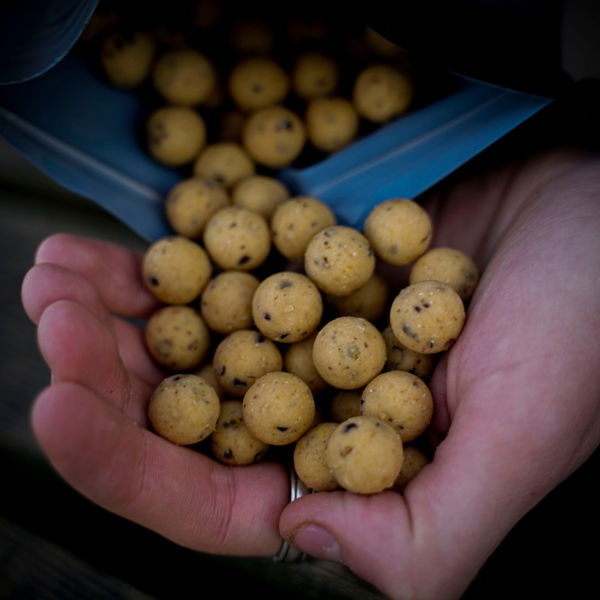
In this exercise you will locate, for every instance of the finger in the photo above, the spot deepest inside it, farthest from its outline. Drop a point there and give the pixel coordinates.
(79, 347)
(114, 271)
(175, 491)
(47, 283)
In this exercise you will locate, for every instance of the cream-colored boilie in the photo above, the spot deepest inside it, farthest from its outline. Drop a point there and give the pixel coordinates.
(184, 409)
(191, 202)
(369, 301)
(399, 231)
(348, 352)
(339, 259)
(175, 269)
(310, 460)
(331, 123)
(427, 316)
(237, 238)
(402, 358)
(414, 462)
(231, 442)
(226, 302)
(177, 337)
(382, 92)
(175, 135)
(127, 59)
(314, 75)
(401, 399)
(242, 357)
(257, 82)
(260, 193)
(278, 408)
(365, 455)
(295, 222)
(184, 77)
(226, 163)
(287, 307)
(274, 136)
(449, 265)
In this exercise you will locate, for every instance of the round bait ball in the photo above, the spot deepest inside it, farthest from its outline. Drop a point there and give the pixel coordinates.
(175, 135)
(348, 352)
(279, 408)
(365, 455)
(414, 462)
(237, 238)
(184, 77)
(287, 307)
(231, 443)
(315, 74)
(184, 409)
(224, 162)
(191, 202)
(260, 193)
(401, 358)
(339, 259)
(369, 301)
(310, 460)
(226, 302)
(127, 58)
(449, 265)
(177, 337)
(274, 136)
(294, 223)
(242, 357)
(175, 269)
(399, 231)
(427, 316)
(298, 359)
(401, 399)
(331, 123)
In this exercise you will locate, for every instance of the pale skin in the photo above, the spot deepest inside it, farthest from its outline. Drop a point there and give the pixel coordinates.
(516, 403)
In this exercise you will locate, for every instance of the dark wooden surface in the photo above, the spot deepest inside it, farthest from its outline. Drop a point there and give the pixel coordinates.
(56, 544)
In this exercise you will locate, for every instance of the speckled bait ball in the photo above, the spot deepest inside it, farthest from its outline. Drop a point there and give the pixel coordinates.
(427, 316)
(184, 77)
(449, 265)
(237, 238)
(401, 399)
(224, 162)
(310, 461)
(191, 202)
(177, 337)
(274, 136)
(315, 74)
(295, 222)
(175, 135)
(348, 352)
(127, 58)
(184, 409)
(231, 443)
(287, 307)
(331, 123)
(226, 302)
(399, 230)
(339, 259)
(243, 357)
(401, 358)
(298, 359)
(365, 455)
(382, 92)
(278, 408)
(176, 269)
(257, 82)
(260, 193)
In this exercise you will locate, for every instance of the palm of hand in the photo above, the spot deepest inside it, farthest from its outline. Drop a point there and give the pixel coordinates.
(501, 394)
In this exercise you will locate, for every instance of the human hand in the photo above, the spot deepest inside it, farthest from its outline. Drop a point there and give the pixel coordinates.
(516, 402)
(91, 421)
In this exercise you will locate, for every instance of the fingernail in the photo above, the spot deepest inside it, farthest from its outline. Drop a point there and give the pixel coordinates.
(316, 541)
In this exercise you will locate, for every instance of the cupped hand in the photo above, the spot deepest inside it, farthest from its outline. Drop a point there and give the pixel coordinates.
(85, 297)
(517, 406)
